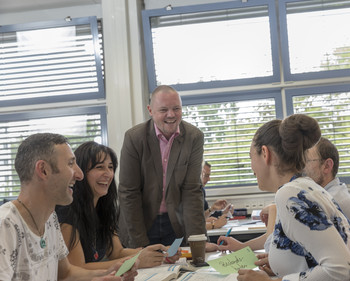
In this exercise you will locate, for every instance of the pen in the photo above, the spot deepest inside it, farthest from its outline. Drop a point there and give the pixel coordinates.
(227, 234)
(160, 251)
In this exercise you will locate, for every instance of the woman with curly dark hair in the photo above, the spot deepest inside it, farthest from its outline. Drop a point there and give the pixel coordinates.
(89, 224)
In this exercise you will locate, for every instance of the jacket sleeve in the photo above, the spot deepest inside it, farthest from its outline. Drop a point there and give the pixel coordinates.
(132, 229)
(192, 197)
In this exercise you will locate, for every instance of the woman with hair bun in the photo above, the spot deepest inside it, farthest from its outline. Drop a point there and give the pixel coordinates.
(311, 236)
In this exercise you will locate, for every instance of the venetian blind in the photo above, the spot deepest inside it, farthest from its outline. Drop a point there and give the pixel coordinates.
(228, 129)
(77, 128)
(50, 62)
(332, 111)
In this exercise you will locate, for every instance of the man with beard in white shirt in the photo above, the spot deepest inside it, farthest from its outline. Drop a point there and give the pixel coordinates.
(321, 164)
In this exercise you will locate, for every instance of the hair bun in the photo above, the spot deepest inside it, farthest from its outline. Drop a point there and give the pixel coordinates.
(299, 131)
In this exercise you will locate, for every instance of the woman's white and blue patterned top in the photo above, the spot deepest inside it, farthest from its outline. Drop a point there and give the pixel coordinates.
(311, 240)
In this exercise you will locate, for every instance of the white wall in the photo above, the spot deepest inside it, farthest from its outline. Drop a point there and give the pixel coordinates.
(127, 94)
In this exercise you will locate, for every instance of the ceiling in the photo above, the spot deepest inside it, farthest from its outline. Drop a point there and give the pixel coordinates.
(15, 6)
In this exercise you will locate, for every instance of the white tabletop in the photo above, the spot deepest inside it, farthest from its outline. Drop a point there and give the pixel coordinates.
(211, 273)
(244, 226)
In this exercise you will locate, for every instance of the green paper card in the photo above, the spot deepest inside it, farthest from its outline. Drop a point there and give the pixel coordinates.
(127, 265)
(231, 263)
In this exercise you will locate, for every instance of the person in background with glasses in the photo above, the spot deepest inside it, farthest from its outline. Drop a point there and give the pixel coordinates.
(322, 163)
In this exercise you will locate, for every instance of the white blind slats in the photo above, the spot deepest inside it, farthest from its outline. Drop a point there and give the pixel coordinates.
(50, 62)
(32, 71)
(55, 74)
(214, 145)
(332, 111)
(83, 128)
(54, 61)
(58, 77)
(228, 131)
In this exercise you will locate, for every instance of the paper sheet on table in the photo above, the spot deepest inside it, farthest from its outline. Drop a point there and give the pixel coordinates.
(197, 276)
(174, 247)
(127, 265)
(231, 263)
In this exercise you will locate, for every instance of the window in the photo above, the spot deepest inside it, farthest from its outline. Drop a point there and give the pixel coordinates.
(50, 62)
(231, 83)
(228, 129)
(84, 125)
(330, 106)
(315, 42)
(44, 63)
(185, 49)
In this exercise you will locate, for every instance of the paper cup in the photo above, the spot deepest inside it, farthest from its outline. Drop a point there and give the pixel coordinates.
(197, 245)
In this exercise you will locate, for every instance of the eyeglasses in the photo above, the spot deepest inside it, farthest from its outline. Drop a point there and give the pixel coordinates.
(206, 175)
(312, 160)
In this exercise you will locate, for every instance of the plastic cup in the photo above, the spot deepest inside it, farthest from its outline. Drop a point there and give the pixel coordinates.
(197, 245)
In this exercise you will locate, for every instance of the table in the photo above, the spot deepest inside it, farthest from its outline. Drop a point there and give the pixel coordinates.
(242, 230)
(210, 273)
(188, 272)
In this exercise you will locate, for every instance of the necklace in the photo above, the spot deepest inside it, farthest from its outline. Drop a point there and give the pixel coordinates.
(95, 253)
(94, 248)
(42, 240)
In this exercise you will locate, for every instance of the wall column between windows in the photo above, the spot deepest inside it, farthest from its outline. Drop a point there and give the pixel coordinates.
(123, 68)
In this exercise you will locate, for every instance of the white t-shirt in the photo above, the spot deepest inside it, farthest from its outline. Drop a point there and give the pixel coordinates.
(311, 240)
(21, 257)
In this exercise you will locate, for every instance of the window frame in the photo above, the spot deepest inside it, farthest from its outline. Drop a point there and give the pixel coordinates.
(247, 95)
(90, 103)
(288, 76)
(294, 92)
(92, 21)
(245, 89)
(61, 112)
(150, 65)
(244, 95)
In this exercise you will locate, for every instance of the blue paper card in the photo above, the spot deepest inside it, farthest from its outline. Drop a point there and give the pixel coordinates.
(173, 248)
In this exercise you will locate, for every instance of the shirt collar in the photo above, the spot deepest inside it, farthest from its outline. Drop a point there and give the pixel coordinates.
(159, 134)
(335, 181)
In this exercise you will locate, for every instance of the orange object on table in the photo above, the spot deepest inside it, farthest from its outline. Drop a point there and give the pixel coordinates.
(186, 254)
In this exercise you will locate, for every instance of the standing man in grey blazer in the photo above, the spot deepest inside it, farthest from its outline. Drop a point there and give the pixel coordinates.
(159, 180)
